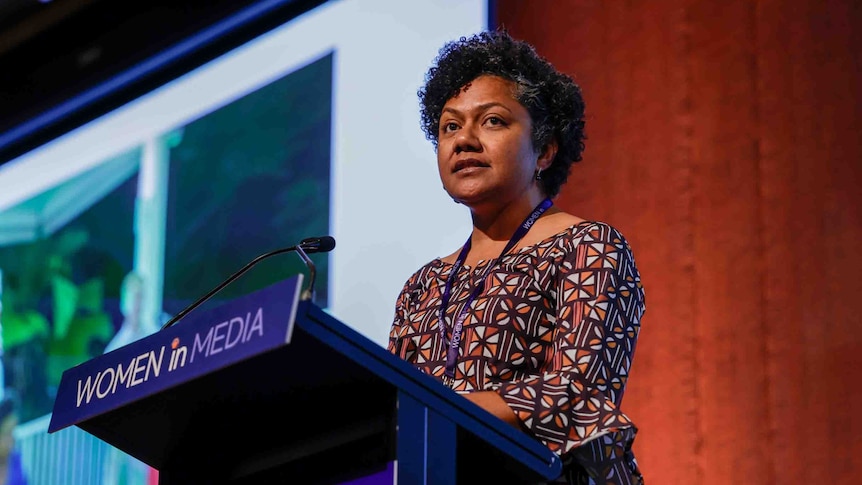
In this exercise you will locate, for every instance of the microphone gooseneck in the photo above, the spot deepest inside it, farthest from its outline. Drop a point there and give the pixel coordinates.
(322, 244)
(310, 245)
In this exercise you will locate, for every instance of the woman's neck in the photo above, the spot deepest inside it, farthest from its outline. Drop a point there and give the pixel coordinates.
(499, 222)
(492, 229)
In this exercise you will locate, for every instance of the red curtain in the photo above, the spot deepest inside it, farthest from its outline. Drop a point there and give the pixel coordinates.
(724, 141)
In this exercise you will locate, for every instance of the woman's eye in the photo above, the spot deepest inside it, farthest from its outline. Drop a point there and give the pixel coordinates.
(449, 127)
(495, 121)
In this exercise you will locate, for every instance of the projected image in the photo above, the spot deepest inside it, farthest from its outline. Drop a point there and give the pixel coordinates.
(109, 254)
(248, 178)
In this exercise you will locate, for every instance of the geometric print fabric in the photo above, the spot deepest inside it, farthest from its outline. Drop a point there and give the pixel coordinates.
(553, 333)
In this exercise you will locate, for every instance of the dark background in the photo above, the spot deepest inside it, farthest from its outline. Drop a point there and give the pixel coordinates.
(50, 52)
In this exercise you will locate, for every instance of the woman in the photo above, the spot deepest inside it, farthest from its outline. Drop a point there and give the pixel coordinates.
(535, 318)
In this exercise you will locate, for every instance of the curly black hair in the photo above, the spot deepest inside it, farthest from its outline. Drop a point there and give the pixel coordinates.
(552, 98)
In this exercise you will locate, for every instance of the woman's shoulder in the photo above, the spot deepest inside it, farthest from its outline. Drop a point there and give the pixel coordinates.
(428, 271)
(576, 231)
(561, 224)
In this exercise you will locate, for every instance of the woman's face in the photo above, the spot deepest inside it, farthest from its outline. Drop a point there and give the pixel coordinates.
(485, 153)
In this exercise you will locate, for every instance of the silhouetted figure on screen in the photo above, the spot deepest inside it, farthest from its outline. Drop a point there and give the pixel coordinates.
(120, 468)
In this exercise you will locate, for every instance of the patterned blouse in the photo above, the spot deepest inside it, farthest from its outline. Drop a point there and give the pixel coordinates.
(553, 333)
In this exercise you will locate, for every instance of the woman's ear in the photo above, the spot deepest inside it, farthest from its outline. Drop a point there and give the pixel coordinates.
(546, 157)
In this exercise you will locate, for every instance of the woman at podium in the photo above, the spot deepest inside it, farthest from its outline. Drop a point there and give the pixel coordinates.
(535, 318)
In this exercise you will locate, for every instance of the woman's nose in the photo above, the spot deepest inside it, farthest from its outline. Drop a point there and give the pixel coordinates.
(467, 140)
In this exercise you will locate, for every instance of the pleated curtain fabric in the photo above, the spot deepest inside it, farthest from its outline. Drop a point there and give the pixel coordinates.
(724, 141)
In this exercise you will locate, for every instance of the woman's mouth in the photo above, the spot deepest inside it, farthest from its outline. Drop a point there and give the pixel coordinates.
(468, 165)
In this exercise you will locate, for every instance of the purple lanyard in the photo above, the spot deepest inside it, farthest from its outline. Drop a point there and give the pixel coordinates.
(452, 354)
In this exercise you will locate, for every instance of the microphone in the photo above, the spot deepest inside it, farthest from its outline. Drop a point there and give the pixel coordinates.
(322, 244)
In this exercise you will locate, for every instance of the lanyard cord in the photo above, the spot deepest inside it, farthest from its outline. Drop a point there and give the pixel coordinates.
(454, 343)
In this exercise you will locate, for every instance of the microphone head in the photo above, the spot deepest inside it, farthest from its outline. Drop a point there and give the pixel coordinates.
(322, 244)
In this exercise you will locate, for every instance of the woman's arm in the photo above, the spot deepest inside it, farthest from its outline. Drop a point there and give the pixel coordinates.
(492, 402)
(575, 396)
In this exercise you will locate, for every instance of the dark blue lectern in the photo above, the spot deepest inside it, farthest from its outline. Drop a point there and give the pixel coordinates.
(268, 389)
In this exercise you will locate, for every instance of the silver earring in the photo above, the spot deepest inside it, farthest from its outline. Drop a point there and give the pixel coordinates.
(538, 174)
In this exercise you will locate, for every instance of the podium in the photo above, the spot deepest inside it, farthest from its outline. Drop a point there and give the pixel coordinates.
(267, 389)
